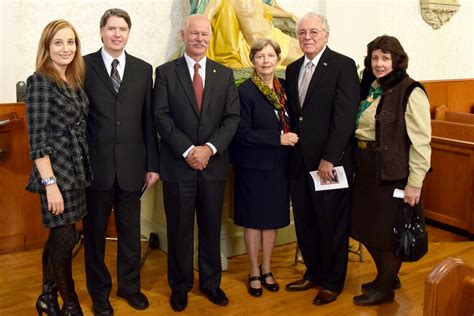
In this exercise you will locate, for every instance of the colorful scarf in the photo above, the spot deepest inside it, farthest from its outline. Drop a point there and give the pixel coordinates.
(276, 97)
(373, 94)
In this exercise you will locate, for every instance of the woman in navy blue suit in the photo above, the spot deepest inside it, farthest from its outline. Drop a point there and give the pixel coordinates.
(259, 153)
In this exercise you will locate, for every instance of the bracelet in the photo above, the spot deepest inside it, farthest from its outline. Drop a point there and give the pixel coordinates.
(48, 181)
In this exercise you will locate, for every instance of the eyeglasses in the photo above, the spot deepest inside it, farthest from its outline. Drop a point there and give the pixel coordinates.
(312, 33)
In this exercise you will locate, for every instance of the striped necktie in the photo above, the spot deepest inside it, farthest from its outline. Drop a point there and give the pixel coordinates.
(115, 76)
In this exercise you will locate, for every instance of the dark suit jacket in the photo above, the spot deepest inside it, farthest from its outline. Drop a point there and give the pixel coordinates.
(326, 122)
(180, 124)
(122, 140)
(256, 144)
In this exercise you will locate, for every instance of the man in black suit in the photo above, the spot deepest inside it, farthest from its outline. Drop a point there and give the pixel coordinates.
(124, 158)
(323, 93)
(197, 113)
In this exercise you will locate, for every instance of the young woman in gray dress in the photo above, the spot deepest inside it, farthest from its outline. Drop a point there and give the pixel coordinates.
(56, 108)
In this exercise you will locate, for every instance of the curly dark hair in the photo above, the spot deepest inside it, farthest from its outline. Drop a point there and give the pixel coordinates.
(388, 44)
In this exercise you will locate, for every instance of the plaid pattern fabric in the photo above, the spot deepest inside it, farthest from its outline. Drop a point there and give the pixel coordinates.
(56, 117)
(75, 208)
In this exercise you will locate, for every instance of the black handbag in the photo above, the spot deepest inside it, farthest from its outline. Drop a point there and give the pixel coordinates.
(411, 238)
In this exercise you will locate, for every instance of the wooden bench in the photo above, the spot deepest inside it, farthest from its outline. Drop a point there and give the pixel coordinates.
(448, 189)
(441, 113)
(449, 289)
(456, 94)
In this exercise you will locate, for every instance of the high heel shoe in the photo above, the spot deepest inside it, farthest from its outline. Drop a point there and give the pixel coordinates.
(62, 271)
(47, 301)
(272, 287)
(255, 292)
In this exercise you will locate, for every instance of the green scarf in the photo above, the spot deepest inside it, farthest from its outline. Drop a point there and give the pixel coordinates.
(276, 97)
(373, 94)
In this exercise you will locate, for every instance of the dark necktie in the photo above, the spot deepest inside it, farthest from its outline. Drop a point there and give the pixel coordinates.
(115, 76)
(198, 85)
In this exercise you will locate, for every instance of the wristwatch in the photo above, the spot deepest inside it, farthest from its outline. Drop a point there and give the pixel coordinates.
(48, 181)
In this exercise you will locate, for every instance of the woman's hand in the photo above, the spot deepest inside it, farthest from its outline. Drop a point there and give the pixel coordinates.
(412, 195)
(288, 139)
(55, 199)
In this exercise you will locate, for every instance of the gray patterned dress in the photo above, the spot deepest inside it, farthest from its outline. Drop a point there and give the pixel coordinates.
(56, 116)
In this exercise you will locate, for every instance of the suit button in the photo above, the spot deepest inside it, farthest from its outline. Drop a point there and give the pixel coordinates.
(118, 123)
(300, 119)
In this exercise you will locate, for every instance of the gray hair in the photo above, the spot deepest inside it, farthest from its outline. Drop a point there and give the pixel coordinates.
(311, 15)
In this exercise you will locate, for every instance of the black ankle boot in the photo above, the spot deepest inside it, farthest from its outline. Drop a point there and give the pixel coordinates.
(63, 276)
(47, 302)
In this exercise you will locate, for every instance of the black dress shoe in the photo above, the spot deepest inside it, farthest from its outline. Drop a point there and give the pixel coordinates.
(374, 296)
(396, 284)
(136, 300)
(325, 297)
(272, 287)
(179, 301)
(216, 296)
(254, 291)
(102, 308)
(300, 285)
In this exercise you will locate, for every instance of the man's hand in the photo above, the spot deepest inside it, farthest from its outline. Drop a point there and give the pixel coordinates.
(198, 157)
(151, 178)
(325, 170)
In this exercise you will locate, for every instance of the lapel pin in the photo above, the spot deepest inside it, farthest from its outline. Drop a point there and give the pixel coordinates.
(213, 70)
(325, 64)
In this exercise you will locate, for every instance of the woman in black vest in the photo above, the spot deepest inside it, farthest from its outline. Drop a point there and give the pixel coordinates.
(393, 152)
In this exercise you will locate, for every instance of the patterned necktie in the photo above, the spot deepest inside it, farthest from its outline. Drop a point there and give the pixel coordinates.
(198, 85)
(115, 76)
(303, 88)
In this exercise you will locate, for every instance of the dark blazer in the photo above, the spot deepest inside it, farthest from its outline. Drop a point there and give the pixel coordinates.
(56, 128)
(326, 121)
(256, 144)
(122, 140)
(180, 124)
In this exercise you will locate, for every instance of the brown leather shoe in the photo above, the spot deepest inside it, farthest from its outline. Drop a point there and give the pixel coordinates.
(300, 285)
(325, 297)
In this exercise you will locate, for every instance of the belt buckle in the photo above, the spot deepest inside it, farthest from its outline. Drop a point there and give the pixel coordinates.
(362, 144)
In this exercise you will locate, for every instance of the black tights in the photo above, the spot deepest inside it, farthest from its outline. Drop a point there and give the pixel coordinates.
(388, 266)
(61, 241)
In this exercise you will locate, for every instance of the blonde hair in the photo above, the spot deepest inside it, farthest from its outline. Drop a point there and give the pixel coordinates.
(75, 71)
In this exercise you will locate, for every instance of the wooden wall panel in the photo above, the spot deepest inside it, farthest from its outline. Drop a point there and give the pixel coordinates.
(20, 215)
(458, 95)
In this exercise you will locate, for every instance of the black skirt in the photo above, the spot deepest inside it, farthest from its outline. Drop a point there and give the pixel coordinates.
(75, 208)
(374, 209)
(261, 198)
